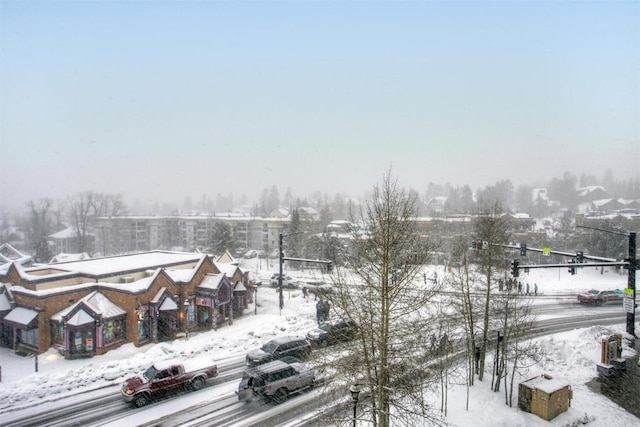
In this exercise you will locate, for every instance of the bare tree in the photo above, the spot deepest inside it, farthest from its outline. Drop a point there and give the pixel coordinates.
(516, 351)
(466, 302)
(384, 294)
(491, 228)
(80, 212)
(109, 205)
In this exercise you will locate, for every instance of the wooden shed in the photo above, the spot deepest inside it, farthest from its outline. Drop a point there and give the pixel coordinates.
(544, 396)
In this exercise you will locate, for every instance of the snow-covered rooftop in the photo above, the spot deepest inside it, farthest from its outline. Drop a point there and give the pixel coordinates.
(123, 263)
(95, 301)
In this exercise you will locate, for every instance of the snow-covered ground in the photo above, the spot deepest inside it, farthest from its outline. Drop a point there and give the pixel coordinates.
(571, 357)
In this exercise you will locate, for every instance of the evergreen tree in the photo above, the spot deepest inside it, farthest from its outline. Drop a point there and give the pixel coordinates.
(221, 238)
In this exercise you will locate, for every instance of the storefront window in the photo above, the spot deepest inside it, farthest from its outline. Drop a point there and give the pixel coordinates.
(29, 337)
(112, 330)
(89, 343)
(143, 326)
(191, 315)
(77, 341)
(223, 294)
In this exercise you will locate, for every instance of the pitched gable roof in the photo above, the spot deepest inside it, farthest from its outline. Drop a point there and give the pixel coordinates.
(94, 304)
(227, 258)
(10, 254)
(591, 193)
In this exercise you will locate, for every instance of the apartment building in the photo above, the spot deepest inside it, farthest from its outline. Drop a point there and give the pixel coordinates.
(184, 232)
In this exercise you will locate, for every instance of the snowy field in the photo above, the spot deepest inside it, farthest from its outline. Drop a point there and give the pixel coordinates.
(571, 357)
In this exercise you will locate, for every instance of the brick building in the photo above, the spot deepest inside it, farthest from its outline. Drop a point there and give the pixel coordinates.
(89, 307)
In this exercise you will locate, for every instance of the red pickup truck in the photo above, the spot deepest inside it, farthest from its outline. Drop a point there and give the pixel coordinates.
(596, 297)
(164, 377)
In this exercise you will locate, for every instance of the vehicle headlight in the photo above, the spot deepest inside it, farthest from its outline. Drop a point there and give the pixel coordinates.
(128, 391)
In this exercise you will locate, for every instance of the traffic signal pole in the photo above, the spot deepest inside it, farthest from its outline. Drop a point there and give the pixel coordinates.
(280, 261)
(631, 283)
(631, 264)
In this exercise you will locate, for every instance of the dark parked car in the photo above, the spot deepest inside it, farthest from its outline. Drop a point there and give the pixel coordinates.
(280, 348)
(329, 333)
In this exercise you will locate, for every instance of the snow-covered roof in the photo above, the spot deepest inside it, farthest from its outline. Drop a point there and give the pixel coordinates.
(211, 281)
(441, 200)
(123, 263)
(197, 363)
(184, 275)
(62, 257)
(10, 254)
(589, 189)
(21, 315)
(546, 384)
(5, 304)
(229, 269)
(96, 302)
(279, 213)
(226, 258)
(591, 192)
(67, 233)
(629, 202)
(309, 210)
(601, 202)
(139, 285)
(101, 304)
(168, 304)
(158, 296)
(80, 318)
(520, 215)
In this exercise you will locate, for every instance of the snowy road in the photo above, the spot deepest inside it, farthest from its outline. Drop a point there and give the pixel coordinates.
(217, 404)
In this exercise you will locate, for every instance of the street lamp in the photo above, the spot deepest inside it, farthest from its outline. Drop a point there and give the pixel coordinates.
(255, 298)
(355, 392)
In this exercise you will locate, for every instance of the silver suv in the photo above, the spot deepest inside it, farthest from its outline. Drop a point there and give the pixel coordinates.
(287, 281)
(275, 381)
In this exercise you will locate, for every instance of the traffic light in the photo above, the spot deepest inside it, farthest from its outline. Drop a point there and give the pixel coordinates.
(479, 244)
(474, 244)
(514, 268)
(523, 249)
(572, 269)
(329, 267)
(580, 257)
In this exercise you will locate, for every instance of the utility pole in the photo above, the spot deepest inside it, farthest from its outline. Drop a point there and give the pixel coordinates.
(280, 261)
(631, 283)
(631, 264)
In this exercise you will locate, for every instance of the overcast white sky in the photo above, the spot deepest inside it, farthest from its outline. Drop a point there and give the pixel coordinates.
(167, 99)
